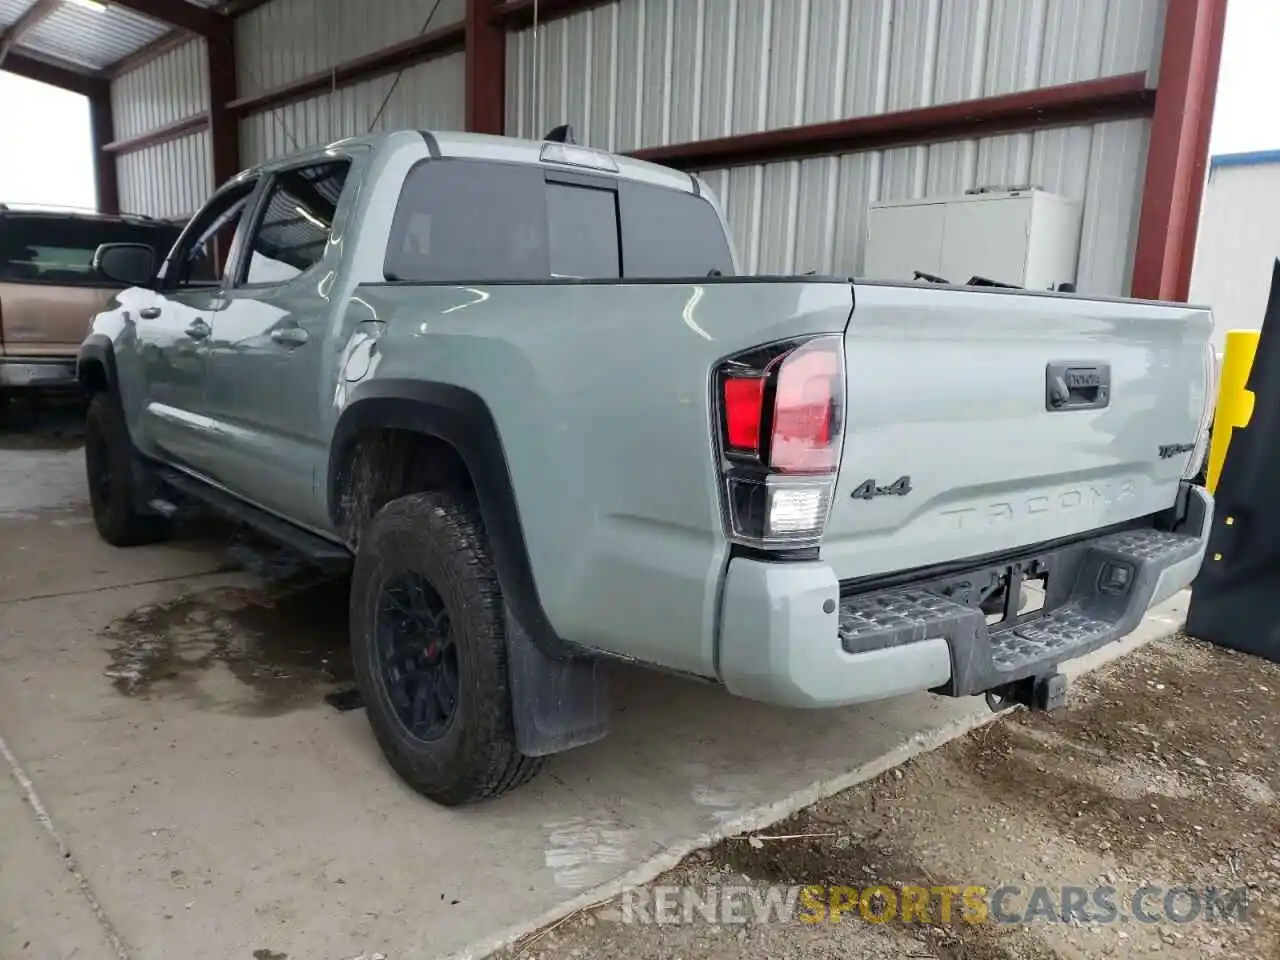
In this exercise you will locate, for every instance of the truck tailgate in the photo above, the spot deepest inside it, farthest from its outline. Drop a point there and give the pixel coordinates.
(984, 421)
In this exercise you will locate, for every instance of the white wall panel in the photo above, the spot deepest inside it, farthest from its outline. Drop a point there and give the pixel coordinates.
(800, 215)
(287, 39)
(170, 88)
(1238, 242)
(168, 180)
(638, 73)
(429, 95)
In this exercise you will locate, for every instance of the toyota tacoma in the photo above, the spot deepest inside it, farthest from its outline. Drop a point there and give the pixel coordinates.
(521, 390)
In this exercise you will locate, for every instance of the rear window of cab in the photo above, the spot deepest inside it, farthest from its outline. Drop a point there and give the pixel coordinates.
(476, 221)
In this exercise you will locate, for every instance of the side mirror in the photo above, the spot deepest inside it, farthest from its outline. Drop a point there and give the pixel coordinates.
(133, 264)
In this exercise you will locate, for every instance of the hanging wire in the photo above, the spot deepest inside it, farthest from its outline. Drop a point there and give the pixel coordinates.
(399, 73)
(277, 113)
(534, 121)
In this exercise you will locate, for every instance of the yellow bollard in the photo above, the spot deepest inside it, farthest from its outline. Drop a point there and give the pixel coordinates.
(1235, 403)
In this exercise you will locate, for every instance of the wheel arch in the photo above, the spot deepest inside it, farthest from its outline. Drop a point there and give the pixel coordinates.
(96, 365)
(460, 418)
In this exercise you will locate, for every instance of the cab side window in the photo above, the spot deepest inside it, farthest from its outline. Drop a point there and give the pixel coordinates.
(296, 222)
(201, 256)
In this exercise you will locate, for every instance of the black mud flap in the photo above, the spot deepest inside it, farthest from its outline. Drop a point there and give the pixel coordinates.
(1235, 601)
(557, 703)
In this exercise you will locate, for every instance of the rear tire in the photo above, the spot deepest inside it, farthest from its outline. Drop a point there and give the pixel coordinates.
(109, 460)
(428, 639)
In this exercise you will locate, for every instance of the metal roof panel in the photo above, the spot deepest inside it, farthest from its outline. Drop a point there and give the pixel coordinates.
(11, 10)
(91, 38)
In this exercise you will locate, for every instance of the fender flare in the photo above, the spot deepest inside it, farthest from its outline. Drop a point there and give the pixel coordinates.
(462, 419)
(97, 348)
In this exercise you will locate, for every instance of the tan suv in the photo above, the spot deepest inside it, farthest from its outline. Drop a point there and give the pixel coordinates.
(49, 290)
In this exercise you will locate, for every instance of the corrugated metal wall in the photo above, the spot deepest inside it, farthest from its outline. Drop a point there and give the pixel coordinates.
(287, 39)
(640, 73)
(169, 88)
(800, 215)
(428, 95)
(170, 179)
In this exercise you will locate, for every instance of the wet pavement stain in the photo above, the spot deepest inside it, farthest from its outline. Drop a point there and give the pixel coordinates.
(46, 423)
(286, 645)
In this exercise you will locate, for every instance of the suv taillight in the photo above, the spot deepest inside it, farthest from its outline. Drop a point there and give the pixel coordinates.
(781, 425)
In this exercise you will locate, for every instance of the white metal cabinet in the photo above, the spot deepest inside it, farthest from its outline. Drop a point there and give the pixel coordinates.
(1029, 238)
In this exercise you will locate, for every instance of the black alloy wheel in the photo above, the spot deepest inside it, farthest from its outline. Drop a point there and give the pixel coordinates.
(417, 655)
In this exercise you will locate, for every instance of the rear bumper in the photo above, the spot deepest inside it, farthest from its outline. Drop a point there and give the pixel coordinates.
(18, 373)
(788, 637)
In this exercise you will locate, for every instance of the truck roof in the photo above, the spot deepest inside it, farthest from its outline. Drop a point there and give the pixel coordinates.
(53, 212)
(483, 146)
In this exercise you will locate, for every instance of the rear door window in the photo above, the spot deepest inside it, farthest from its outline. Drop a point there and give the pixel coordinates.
(59, 250)
(464, 220)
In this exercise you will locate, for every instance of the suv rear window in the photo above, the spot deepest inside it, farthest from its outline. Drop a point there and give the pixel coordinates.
(59, 250)
(478, 221)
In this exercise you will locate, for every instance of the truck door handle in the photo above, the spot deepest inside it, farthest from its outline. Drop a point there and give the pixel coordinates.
(149, 313)
(198, 330)
(290, 336)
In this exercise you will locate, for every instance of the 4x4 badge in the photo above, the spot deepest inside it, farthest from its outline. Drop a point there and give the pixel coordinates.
(867, 489)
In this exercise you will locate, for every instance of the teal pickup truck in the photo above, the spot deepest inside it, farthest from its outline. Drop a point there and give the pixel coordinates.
(519, 388)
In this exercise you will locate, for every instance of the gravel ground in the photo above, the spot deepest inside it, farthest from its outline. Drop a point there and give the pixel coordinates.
(1162, 773)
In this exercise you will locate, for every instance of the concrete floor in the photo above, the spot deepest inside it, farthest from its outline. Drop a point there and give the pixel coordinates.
(207, 803)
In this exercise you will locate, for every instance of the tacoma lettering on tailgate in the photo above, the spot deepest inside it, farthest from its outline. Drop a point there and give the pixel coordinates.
(1006, 511)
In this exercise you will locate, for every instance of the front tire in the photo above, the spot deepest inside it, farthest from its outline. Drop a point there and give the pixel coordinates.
(428, 641)
(109, 460)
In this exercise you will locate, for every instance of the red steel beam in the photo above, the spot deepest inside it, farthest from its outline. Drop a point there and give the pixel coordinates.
(224, 125)
(46, 70)
(162, 134)
(180, 14)
(437, 43)
(1110, 98)
(1179, 148)
(518, 14)
(237, 8)
(105, 180)
(486, 69)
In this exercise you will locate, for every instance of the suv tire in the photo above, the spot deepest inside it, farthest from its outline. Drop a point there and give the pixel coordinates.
(110, 461)
(428, 640)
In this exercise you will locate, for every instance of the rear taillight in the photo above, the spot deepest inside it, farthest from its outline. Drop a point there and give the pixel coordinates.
(781, 428)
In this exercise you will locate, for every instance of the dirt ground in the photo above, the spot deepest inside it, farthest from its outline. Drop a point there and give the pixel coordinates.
(1162, 774)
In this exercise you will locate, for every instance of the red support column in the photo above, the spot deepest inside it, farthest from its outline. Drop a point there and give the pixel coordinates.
(1179, 149)
(224, 128)
(486, 68)
(106, 184)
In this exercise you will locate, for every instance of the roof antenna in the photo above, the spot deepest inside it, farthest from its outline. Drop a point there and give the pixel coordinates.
(561, 134)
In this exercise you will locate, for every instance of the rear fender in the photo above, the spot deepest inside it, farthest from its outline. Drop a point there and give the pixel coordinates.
(558, 695)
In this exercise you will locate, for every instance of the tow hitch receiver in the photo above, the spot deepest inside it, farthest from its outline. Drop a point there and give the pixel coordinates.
(1046, 692)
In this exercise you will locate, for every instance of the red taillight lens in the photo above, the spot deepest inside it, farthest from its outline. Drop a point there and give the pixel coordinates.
(743, 399)
(781, 430)
(808, 409)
